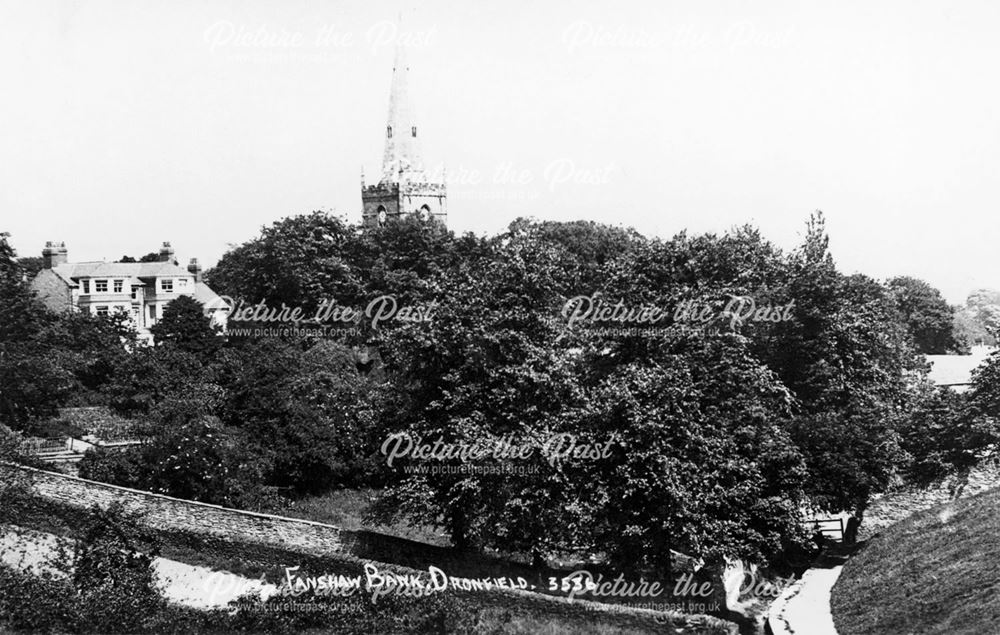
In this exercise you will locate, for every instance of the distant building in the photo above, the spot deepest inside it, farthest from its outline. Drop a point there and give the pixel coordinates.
(404, 189)
(955, 371)
(140, 289)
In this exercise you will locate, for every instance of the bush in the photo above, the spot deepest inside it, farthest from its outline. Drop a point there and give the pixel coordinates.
(123, 466)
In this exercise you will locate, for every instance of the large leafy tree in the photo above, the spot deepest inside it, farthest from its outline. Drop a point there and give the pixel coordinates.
(305, 408)
(948, 433)
(185, 326)
(848, 361)
(695, 416)
(32, 380)
(298, 261)
(927, 316)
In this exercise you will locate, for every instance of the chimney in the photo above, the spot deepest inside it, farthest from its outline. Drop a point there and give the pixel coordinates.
(195, 269)
(167, 253)
(54, 254)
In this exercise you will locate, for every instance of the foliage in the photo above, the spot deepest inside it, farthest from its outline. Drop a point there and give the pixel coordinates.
(945, 435)
(185, 326)
(985, 397)
(927, 316)
(298, 261)
(108, 583)
(307, 412)
(152, 375)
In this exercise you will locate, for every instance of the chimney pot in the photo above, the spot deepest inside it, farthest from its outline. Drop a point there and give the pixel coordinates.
(167, 253)
(194, 268)
(54, 254)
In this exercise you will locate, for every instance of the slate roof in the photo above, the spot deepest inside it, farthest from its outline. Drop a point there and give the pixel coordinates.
(70, 272)
(203, 294)
(956, 370)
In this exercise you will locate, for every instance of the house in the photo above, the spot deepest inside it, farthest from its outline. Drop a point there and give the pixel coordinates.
(140, 289)
(955, 371)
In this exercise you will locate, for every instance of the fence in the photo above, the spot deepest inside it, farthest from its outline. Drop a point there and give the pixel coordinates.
(35, 445)
(830, 527)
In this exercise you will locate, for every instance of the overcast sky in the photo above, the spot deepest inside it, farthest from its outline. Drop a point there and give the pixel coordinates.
(124, 124)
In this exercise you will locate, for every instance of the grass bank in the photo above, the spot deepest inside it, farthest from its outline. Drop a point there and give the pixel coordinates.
(935, 572)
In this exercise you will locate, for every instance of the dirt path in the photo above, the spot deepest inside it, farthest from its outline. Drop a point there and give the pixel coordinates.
(804, 608)
(197, 587)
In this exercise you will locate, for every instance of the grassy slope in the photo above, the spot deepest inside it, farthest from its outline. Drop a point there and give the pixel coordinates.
(935, 572)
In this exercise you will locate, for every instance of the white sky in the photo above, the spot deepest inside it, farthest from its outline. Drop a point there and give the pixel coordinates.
(123, 124)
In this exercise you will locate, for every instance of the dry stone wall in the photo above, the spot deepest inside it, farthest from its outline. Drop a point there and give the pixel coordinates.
(168, 514)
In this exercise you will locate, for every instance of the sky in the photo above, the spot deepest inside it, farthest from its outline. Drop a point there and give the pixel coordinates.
(125, 124)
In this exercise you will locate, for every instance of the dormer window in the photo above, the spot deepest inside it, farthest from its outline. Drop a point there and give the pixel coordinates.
(388, 132)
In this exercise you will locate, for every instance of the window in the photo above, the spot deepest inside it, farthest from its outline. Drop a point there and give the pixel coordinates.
(182, 283)
(388, 132)
(86, 286)
(100, 286)
(413, 130)
(102, 310)
(118, 285)
(135, 293)
(381, 215)
(167, 286)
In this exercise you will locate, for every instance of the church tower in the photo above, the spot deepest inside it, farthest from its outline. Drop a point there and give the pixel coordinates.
(404, 189)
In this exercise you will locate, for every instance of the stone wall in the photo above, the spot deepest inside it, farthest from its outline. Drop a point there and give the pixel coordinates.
(166, 513)
(188, 518)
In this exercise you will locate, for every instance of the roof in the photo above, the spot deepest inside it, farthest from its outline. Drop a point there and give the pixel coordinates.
(211, 300)
(132, 270)
(956, 370)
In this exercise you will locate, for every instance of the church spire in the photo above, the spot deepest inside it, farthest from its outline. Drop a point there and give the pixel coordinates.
(401, 162)
(404, 189)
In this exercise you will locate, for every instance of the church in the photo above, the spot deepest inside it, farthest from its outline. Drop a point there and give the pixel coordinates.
(404, 188)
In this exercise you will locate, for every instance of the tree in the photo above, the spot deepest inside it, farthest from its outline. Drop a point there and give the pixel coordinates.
(848, 361)
(30, 266)
(152, 375)
(184, 325)
(298, 261)
(979, 319)
(32, 381)
(927, 316)
(200, 459)
(695, 413)
(307, 412)
(945, 435)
